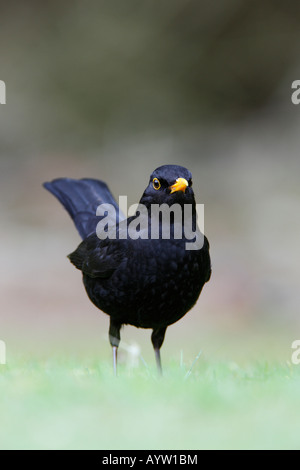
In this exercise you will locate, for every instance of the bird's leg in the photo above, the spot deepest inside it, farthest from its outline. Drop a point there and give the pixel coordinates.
(158, 360)
(115, 357)
(114, 339)
(157, 339)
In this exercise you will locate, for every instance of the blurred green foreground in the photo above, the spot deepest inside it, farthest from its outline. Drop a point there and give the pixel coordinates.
(58, 405)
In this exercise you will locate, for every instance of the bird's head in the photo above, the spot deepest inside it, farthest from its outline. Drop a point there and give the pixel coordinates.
(169, 184)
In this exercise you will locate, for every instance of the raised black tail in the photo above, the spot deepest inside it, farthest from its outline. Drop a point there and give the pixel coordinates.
(81, 199)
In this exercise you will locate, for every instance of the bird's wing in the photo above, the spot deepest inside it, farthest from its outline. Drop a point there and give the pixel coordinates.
(205, 260)
(98, 258)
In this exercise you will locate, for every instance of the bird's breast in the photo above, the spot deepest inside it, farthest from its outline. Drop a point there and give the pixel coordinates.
(156, 286)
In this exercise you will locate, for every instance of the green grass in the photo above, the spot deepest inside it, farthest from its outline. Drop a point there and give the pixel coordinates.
(60, 404)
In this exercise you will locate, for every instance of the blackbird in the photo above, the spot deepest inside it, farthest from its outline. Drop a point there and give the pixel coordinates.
(146, 270)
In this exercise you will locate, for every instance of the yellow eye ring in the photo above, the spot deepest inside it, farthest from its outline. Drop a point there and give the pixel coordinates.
(156, 183)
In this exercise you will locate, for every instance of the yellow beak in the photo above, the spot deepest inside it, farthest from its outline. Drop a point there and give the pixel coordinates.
(180, 185)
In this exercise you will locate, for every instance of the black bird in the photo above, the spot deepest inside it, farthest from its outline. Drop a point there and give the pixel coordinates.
(140, 270)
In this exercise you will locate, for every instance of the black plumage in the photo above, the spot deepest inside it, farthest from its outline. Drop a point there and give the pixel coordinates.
(146, 282)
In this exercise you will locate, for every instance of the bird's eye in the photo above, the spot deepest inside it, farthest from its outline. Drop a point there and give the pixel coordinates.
(156, 183)
(190, 183)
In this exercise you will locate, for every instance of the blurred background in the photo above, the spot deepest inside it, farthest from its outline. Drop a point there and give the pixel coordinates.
(112, 90)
